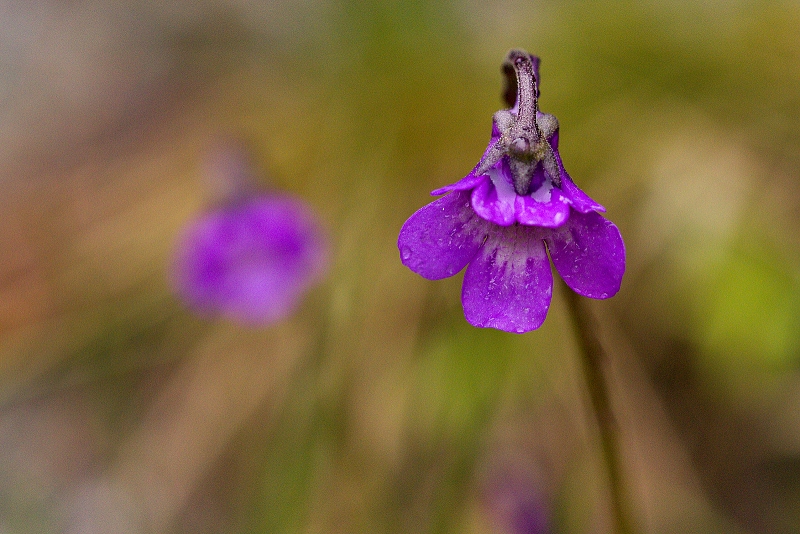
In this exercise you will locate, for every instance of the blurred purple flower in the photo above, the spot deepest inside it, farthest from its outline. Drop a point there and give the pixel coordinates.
(501, 220)
(250, 258)
(517, 506)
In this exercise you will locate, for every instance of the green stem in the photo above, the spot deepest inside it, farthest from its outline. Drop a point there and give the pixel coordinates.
(592, 359)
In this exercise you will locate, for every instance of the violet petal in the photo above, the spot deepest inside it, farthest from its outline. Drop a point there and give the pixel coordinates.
(467, 183)
(494, 199)
(441, 238)
(577, 198)
(509, 284)
(589, 254)
(471, 180)
(250, 261)
(546, 206)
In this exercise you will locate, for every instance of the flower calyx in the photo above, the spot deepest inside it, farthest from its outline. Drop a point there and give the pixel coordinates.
(524, 136)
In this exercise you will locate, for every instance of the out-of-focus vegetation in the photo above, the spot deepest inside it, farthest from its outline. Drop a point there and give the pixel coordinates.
(376, 408)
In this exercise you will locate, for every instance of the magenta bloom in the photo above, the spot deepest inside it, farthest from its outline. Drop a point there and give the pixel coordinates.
(517, 506)
(250, 259)
(502, 219)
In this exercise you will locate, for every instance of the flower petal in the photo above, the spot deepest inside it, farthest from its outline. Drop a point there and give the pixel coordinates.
(468, 182)
(577, 198)
(589, 254)
(546, 206)
(472, 180)
(441, 238)
(508, 285)
(250, 261)
(494, 199)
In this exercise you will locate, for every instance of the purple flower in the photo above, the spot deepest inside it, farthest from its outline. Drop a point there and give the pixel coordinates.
(517, 507)
(502, 219)
(250, 259)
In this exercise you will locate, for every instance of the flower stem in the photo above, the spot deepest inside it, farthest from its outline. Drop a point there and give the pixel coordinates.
(592, 359)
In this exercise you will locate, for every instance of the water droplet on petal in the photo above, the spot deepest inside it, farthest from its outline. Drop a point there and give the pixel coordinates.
(520, 330)
(405, 253)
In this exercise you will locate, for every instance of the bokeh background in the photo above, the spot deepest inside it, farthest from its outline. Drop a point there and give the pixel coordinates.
(376, 407)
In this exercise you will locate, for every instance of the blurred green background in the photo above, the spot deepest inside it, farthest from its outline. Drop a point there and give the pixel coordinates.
(376, 407)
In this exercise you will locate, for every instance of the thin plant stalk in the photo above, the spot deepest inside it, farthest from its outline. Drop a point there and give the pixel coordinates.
(592, 358)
